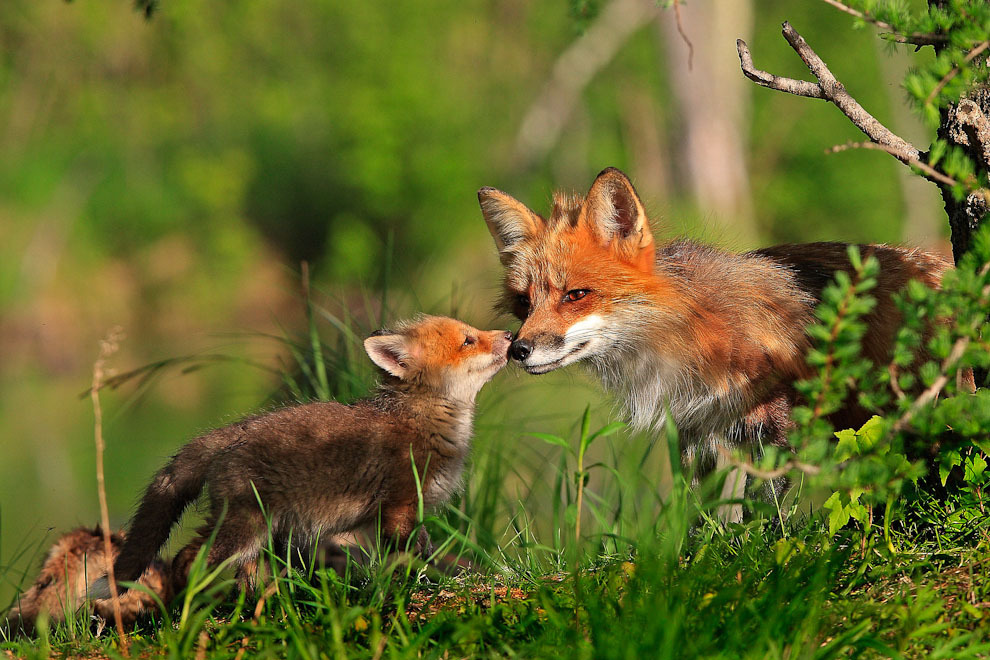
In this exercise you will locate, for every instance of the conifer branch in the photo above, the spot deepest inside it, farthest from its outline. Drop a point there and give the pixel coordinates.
(955, 70)
(914, 38)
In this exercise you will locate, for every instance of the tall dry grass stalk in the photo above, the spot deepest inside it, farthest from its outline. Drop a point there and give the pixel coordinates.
(108, 347)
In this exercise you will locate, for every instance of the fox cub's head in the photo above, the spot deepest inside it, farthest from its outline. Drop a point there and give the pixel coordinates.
(579, 279)
(440, 355)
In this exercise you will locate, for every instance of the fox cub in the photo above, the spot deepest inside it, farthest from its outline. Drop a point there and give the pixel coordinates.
(324, 469)
(717, 338)
(73, 563)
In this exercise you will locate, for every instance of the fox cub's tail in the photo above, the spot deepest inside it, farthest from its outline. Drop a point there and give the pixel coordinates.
(173, 488)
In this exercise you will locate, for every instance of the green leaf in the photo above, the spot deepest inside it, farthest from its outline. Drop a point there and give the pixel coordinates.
(553, 440)
(853, 443)
(976, 467)
(871, 433)
(839, 515)
(949, 459)
(843, 507)
(848, 445)
(606, 431)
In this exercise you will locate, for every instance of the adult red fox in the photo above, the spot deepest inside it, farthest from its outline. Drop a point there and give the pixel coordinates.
(716, 336)
(325, 469)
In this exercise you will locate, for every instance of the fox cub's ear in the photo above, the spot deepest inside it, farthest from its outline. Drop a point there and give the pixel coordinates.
(614, 212)
(390, 352)
(509, 220)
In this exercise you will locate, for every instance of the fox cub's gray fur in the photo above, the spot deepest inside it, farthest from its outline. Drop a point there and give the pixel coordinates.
(323, 469)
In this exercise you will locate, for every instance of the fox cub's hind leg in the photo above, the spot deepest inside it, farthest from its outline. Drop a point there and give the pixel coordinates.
(239, 537)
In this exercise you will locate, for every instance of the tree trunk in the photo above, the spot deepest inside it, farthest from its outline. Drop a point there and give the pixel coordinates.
(966, 124)
(713, 104)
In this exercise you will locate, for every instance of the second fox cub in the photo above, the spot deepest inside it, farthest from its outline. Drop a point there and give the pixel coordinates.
(322, 469)
(718, 337)
(74, 562)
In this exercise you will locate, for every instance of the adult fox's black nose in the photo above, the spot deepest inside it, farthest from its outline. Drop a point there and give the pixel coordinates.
(521, 349)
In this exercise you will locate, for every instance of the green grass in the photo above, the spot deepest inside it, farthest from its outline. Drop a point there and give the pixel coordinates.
(681, 587)
(586, 542)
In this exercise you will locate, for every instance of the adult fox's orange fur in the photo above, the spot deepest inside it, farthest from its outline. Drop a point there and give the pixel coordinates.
(718, 337)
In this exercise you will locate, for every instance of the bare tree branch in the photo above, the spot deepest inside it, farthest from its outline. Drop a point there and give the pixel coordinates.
(927, 170)
(781, 84)
(858, 14)
(829, 89)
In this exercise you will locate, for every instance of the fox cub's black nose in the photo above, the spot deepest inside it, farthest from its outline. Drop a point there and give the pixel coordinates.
(521, 349)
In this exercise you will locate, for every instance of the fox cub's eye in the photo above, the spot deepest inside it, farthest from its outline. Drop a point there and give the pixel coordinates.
(576, 294)
(468, 341)
(523, 301)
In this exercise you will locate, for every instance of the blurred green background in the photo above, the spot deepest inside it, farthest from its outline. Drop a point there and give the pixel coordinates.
(169, 176)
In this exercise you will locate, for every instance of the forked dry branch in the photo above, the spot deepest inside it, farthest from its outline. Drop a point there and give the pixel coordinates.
(829, 89)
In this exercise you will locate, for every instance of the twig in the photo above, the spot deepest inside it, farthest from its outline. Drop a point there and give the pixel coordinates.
(936, 388)
(680, 31)
(771, 81)
(927, 170)
(827, 88)
(767, 475)
(915, 38)
(108, 347)
(955, 70)
(894, 385)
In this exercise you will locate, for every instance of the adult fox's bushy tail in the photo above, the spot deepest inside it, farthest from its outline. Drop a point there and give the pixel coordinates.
(173, 488)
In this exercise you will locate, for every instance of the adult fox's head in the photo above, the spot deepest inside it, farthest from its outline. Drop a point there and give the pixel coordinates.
(582, 281)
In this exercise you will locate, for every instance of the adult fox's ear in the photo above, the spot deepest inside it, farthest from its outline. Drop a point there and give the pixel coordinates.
(390, 352)
(615, 213)
(509, 220)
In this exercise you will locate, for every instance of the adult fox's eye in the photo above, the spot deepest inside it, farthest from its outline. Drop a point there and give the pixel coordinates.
(576, 294)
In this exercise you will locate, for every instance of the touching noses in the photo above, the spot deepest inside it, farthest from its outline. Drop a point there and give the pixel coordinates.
(521, 349)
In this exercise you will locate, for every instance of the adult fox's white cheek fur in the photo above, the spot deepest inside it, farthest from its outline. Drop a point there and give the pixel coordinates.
(581, 340)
